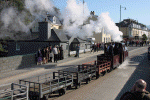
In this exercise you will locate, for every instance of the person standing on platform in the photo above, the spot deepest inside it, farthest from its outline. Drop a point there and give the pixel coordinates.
(55, 52)
(97, 47)
(39, 57)
(77, 50)
(47, 54)
(58, 56)
(51, 53)
(44, 55)
(61, 52)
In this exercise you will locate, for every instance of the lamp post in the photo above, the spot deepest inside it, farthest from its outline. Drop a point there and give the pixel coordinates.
(120, 11)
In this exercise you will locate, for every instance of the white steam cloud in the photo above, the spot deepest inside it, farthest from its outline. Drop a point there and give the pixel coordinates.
(39, 8)
(74, 18)
(105, 21)
(13, 20)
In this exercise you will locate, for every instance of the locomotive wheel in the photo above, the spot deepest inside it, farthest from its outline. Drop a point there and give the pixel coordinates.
(90, 79)
(109, 70)
(103, 73)
(46, 97)
(87, 81)
(77, 85)
(69, 87)
(97, 76)
(60, 92)
(63, 91)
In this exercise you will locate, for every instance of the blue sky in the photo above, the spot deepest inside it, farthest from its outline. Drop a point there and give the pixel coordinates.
(135, 9)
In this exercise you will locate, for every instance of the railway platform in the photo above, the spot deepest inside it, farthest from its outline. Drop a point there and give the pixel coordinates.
(14, 75)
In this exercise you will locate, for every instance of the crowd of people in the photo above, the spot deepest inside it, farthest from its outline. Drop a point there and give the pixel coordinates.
(136, 43)
(96, 47)
(48, 53)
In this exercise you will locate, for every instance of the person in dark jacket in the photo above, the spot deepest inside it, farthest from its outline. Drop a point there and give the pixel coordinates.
(77, 50)
(39, 56)
(138, 92)
(50, 53)
(47, 54)
(44, 55)
(61, 52)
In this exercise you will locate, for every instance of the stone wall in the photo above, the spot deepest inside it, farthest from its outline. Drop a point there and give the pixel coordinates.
(16, 62)
(19, 61)
(22, 61)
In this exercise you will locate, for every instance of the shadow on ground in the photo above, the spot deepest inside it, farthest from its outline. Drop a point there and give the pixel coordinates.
(142, 71)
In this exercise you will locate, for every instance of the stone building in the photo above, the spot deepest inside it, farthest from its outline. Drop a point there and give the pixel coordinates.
(132, 29)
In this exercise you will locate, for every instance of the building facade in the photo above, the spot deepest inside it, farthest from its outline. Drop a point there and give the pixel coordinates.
(102, 37)
(132, 29)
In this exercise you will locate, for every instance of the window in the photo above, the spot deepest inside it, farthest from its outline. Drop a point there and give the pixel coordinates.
(17, 46)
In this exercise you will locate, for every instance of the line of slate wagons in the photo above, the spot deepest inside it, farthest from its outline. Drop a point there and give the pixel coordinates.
(42, 86)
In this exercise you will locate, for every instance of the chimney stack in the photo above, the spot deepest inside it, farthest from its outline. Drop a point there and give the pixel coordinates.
(92, 13)
(44, 31)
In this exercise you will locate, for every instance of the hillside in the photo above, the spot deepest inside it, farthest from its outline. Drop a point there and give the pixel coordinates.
(19, 4)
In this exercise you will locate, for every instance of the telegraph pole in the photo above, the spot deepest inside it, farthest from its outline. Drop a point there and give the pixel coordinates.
(83, 11)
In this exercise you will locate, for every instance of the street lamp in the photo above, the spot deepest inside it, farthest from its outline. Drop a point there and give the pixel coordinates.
(120, 11)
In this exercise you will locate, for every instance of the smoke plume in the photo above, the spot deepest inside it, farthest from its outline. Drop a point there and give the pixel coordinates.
(13, 20)
(105, 21)
(74, 17)
(39, 8)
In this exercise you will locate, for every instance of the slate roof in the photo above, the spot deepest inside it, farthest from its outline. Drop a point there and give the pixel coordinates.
(80, 40)
(58, 34)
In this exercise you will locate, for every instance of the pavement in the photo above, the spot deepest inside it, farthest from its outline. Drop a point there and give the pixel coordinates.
(36, 69)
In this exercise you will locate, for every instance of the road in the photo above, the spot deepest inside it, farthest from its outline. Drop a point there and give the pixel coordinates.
(114, 84)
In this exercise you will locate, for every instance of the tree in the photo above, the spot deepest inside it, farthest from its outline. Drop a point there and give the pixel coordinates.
(144, 37)
(19, 4)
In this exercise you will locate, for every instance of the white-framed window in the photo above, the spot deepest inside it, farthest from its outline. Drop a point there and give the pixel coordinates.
(17, 46)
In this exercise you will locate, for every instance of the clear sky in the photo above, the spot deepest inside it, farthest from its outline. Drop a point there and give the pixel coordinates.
(135, 9)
